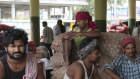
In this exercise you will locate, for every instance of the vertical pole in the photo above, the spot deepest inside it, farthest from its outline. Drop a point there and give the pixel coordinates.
(13, 11)
(70, 13)
(35, 21)
(100, 14)
(115, 4)
(49, 14)
(132, 15)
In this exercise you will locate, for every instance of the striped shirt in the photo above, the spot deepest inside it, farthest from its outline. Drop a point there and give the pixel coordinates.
(125, 68)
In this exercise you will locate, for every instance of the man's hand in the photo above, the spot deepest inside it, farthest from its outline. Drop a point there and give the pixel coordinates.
(70, 35)
(112, 74)
(40, 74)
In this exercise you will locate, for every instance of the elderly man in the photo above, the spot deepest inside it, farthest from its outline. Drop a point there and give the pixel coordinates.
(17, 64)
(43, 54)
(127, 65)
(85, 68)
(86, 29)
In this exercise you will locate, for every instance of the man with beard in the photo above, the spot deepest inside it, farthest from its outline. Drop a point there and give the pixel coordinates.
(127, 65)
(87, 28)
(85, 68)
(17, 64)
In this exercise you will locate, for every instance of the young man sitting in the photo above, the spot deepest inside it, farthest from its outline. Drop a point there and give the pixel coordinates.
(85, 68)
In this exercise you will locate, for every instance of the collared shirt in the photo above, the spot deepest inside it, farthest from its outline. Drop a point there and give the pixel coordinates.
(125, 68)
(47, 35)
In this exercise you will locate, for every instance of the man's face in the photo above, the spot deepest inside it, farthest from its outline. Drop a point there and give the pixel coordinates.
(16, 51)
(94, 56)
(82, 24)
(130, 50)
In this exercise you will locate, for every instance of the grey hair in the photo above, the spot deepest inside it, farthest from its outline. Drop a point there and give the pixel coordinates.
(44, 51)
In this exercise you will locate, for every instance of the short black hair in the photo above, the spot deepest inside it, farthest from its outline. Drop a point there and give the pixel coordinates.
(14, 34)
(59, 22)
(44, 23)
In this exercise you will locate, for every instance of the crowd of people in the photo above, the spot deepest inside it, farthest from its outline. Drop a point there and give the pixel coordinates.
(83, 39)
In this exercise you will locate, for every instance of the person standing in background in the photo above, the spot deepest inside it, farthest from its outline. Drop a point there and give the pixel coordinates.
(59, 28)
(47, 37)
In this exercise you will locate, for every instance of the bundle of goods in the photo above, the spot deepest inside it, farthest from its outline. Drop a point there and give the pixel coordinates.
(32, 46)
(110, 47)
(118, 27)
(57, 59)
(5, 27)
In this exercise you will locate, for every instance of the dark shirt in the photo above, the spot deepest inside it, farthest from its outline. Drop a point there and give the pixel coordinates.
(62, 28)
(9, 73)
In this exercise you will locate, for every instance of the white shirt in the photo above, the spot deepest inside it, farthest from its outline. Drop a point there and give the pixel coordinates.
(48, 64)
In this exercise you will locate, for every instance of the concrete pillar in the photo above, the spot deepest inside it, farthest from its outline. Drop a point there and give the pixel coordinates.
(100, 14)
(115, 6)
(70, 13)
(13, 11)
(49, 13)
(35, 20)
(132, 15)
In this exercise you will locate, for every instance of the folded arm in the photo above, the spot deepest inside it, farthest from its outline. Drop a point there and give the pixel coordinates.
(92, 33)
(72, 35)
(112, 73)
(114, 66)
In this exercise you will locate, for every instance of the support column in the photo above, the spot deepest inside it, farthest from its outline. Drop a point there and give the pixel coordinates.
(13, 11)
(132, 15)
(70, 13)
(49, 14)
(35, 21)
(100, 14)
(115, 6)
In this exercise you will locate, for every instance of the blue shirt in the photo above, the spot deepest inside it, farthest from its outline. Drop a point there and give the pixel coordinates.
(125, 68)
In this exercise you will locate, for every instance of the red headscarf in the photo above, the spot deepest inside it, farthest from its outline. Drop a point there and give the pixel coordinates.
(126, 41)
(84, 16)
